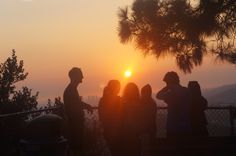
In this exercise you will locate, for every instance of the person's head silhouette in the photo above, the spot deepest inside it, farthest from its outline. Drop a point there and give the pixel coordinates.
(131, 92)
(114, 87)
(171, 78)
(146, 91)
(194, 88)
(76, 75)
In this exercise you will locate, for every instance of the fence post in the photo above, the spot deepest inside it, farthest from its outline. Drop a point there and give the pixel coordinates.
(231, 115)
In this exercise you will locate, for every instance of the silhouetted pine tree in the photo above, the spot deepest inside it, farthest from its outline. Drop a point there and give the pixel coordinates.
(185, 29)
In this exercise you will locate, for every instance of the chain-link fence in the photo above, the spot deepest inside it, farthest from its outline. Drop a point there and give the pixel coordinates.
(220, 121)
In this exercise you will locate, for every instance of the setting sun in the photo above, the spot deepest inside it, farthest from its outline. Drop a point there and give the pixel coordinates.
(128, 73)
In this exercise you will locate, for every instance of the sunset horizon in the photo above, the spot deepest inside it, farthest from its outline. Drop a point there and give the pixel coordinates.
(54, 36)
(118, 77)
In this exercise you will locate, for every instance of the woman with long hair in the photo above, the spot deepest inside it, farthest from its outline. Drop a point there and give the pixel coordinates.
(148, 120)
(198, 106)
(131, 119)
(109, 110)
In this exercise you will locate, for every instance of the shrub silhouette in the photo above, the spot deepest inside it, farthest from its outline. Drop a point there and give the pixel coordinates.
(12, 100)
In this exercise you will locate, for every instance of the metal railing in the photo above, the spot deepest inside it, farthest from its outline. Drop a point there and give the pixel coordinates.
(221, 120)
(19, 114)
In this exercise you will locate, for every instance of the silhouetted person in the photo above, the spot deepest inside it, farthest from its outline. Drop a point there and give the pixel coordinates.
(102, 106)
(148, 120)
(74, 112)
(149, 109)
(178, 102)
(109, 110)
(198, 106)
(131, 120)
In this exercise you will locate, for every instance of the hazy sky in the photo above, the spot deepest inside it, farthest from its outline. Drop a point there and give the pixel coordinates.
(52, 36)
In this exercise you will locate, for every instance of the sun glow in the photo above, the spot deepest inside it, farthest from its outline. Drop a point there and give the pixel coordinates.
(128, 73)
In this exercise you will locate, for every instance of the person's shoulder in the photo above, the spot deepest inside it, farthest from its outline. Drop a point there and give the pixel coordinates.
(184, 89)
(178, 88)
(181, 90)
(68, 87)
(101, 101)
(66, 91)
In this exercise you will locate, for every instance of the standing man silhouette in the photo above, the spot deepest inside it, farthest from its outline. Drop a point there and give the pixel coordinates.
(74, 112)
(178, 103)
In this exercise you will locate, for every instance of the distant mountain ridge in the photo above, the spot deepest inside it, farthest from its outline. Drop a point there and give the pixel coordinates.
(219, 96)
(223, 95)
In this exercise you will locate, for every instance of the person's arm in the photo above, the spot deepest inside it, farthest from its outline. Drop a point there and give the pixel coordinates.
(163, 93)
(87, 107)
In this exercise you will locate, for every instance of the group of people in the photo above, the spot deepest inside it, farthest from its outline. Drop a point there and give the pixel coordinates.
(128, 121)
(185, 107)
(128, 118)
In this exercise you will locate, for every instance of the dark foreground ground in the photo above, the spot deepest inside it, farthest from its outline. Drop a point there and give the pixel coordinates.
(198, 146)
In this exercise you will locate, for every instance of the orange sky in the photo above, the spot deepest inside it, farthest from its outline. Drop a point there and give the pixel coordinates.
(51, 36)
